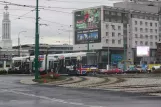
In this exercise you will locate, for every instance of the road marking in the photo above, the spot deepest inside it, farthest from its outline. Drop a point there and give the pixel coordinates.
(51, 99)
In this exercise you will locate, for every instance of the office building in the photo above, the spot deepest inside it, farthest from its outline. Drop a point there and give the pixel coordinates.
(113, 30)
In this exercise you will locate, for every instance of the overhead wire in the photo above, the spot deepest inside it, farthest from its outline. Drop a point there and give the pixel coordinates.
(72, 1)
(25, 14)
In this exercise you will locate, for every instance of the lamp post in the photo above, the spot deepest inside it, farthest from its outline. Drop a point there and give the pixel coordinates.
(19, 42)
(37, 41)
(46, 56)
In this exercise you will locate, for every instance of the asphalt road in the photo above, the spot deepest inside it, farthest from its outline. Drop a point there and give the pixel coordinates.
(15, 94)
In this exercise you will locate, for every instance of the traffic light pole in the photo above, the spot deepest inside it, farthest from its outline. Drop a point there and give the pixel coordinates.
(37, 41)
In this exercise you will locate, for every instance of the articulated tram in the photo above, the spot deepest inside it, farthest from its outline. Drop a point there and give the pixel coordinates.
(71, 63)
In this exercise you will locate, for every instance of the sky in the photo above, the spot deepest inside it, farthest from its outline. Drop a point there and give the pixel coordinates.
(54, 22)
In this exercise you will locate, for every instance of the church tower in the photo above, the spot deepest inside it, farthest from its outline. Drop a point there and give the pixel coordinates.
(6, 30)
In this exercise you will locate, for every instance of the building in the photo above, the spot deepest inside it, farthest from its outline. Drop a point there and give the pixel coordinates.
(152, 6)
(158, 53)
(6, 30)
(43, 48)
(114, 30)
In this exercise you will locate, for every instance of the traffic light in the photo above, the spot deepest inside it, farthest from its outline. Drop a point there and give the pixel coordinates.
(4, 55)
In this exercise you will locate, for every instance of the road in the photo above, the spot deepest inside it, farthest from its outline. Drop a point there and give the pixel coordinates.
(15, 94)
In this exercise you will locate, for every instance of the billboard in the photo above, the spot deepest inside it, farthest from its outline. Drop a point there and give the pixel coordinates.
(87, 26)
(142, 51)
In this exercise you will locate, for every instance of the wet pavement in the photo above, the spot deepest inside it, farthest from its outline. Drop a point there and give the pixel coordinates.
(15, 94)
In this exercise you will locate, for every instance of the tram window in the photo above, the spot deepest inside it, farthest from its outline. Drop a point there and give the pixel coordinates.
(67, 63)
(84, 60)
(40, 64)
(1, 64)
(50, 64)
(8, 64)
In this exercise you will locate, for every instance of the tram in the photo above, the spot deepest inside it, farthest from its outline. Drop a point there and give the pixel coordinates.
(80, 63)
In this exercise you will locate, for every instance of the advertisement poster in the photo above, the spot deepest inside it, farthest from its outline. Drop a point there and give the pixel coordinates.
(143, 51)
(88, 26)
(116, 58)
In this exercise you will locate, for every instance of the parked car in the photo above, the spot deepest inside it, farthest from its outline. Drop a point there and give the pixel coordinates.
(133, 70)
(111, 71)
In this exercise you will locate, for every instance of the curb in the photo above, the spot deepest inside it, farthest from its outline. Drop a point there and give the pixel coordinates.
(28, 81)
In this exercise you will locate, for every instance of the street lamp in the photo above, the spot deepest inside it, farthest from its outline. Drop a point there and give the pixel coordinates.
(19, 41)
(46, 56)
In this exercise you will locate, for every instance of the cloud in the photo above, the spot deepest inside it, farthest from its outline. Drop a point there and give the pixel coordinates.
(55, 18)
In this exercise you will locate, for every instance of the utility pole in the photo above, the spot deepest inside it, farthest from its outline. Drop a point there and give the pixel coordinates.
(37, 41)
(124, 43)
(88, 44)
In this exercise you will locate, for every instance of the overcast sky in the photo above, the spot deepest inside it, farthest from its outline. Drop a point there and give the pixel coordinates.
(55, 18)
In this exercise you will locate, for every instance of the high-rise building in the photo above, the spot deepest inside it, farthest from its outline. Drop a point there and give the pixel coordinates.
(108, 30)
(6, 30)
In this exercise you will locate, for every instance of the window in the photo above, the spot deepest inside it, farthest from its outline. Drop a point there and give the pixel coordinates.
(151, 24)
(119, 27)
(146, 43)
(106, 26)
(136, 36)
(113, 27)
(1, 64)
(119, 41)
(119, 14)
(146, 23)
(107, 19)
(151, 36)
(106, 33)
(141, 42)
(113, 41)
(146, 30)
(113, 13)
(156, 24)
(119, 34)
(146, 36)
(151, 30)
(136, 29)
(141, 36)
(141, 23)
(106, 40)
(141, 29)
(156, 37)
(135, 22)
(113, 34)
(151, 43)
(136, 42)
(156, 31)
(106, 12)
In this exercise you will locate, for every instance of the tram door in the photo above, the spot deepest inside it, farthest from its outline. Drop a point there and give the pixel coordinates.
(91, 59)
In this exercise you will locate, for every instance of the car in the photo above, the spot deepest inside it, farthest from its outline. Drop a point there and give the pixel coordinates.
(111, 71)
(132, 70)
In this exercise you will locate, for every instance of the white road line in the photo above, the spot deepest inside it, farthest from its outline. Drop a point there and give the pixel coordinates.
(51, 99)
